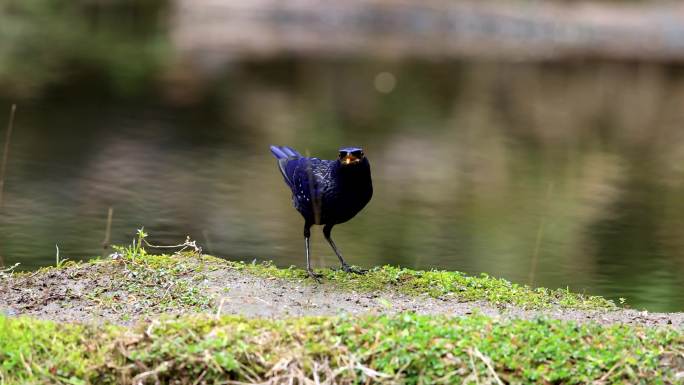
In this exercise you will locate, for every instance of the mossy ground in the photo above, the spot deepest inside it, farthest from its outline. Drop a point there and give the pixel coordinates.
(196, 345)
(137, 284)
(441, 284)
(403, 348)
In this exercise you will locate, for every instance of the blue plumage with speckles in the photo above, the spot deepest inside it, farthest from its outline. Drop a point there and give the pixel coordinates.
(326, 192)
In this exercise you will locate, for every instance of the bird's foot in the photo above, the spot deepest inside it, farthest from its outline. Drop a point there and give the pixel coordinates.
(316, 276)
(350, 269)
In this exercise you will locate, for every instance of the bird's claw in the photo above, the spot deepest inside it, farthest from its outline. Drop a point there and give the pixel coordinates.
(316, 276)
(349, 269)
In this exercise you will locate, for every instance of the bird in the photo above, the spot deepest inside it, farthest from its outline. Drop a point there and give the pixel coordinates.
(326, 192)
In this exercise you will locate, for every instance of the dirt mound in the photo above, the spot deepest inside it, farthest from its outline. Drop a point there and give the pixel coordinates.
(123, 292)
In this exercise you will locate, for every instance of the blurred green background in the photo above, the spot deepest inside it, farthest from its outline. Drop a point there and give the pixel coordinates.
(560, 174)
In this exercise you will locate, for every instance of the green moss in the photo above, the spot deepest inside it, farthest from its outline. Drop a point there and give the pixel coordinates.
(165, 282)
(155, 283)
(162, 282)
(443, 284)
(406, 348)
(34, 351)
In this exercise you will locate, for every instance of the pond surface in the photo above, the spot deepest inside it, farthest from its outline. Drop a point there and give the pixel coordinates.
(555, 175)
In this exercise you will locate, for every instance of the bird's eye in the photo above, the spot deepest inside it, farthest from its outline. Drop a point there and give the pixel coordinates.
(358, 153)
(343, 154)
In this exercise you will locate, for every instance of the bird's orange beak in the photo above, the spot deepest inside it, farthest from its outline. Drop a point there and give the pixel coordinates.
(349, 159)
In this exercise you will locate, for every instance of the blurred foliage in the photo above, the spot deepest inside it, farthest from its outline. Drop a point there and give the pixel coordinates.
(49, 42)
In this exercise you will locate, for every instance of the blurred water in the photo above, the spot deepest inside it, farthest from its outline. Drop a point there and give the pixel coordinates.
(564, 176)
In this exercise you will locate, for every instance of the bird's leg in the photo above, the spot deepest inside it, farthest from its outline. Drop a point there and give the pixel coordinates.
(309, 270)
(326, 232)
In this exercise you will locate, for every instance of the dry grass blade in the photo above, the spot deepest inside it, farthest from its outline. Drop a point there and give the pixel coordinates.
(473, 370)
(539, 238)
(5, 153)
(140, 378)
(108, 229)
(7, 272)
(488, 363)
(280, 366)
(3, 165)
(188, 244)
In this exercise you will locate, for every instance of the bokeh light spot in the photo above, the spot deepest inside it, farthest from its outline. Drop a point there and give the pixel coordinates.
(385, 82)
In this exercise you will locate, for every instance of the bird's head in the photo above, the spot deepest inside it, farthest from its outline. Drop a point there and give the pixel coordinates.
(350, 155)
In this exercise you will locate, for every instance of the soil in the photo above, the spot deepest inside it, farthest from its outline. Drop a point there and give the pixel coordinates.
(66, 295)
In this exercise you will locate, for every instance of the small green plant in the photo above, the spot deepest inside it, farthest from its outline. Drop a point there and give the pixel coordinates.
(135, 249)
(59, 262)
(160, 282)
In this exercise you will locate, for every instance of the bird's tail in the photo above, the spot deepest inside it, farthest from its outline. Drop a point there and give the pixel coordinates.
(284, 152)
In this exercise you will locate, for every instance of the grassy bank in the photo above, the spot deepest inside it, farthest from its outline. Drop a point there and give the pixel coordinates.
(441, 284)
(197, 346)
(401, 348)
(164, 282)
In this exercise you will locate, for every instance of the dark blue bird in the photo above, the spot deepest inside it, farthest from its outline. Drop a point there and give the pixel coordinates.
(326, 192)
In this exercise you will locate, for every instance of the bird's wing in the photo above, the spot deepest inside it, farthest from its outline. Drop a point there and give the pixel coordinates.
(308, 176)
